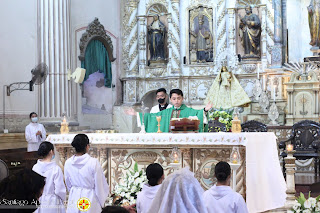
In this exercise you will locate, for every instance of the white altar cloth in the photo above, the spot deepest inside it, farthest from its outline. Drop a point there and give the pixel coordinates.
(155, 138)
(266, 187)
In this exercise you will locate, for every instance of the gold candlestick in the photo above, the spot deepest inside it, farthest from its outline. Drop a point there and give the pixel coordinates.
(159, 119)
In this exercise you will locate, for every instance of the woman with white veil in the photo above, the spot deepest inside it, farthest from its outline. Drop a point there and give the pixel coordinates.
(180, 192)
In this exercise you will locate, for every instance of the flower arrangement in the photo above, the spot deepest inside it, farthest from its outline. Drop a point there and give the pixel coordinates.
(126, 194)
(223, 116)
(303, 205)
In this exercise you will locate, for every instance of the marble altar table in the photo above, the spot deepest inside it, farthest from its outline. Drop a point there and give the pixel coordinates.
(259, 178)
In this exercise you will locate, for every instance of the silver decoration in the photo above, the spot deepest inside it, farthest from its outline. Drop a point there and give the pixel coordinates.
(273, 114)
(257, 90)
(264, 102)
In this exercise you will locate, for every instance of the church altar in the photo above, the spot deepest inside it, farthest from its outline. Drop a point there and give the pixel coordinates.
(259, 178)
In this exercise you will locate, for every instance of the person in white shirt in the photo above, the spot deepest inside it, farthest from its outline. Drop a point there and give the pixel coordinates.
(220, 197)
(84, 178)
(180, 192)
(34, 133)
(155, 177)
(162, 98)
(54, 192)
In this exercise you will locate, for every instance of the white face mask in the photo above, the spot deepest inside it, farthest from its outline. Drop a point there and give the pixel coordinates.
(34, 119)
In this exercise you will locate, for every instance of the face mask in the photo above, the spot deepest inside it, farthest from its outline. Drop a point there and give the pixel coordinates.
(34, 119)
(161, 100)
(53, 156)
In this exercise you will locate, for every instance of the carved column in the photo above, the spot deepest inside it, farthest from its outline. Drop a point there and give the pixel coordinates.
(170, 37)
(263, 45)
(130, 37)
(142, 44)
(54, 50)
(277, 49)
(175, 37)
(232, 31)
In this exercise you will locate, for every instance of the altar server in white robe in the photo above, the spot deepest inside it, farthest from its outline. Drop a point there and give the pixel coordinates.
(162, 98)
(155, 177)
(180, 192)
(54, 192)
(35, 133)
(84, 178)
(220, 197)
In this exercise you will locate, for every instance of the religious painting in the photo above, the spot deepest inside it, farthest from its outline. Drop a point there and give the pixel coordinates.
(157, 36)
(207, 173)
(201, 40)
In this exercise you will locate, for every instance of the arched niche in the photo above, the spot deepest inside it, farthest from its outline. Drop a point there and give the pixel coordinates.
(95, 31)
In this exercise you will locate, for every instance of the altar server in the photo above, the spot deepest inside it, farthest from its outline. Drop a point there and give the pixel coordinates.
(84, 178)
(155, 177)
(220, 197)
(180, 192)
(35, 133)
(161, 97)
(54, 192)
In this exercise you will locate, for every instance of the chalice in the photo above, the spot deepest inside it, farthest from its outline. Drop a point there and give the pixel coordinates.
(159, 119)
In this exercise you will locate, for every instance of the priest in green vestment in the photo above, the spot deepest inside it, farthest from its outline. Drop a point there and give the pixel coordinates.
(178, 110)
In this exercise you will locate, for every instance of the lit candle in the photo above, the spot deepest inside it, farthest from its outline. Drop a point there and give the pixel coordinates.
(235, 156)
(175, 156)
(258, 72)
(289, 147)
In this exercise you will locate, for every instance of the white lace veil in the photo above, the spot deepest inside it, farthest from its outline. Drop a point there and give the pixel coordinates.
(180, 192)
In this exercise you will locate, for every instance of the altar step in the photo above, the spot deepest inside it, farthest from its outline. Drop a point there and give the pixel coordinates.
(307, 183)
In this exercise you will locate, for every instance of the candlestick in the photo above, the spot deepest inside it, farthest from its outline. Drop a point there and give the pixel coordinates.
(274, 93)
(258, 72)
(264, 82)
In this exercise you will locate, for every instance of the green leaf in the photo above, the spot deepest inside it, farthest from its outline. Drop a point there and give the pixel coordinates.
(135, 167)
(301, 199)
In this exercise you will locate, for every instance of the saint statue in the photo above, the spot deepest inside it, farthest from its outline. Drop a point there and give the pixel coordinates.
(203, 40)
(314, 22)
(250, 34)
(156, 38)
(226, 91)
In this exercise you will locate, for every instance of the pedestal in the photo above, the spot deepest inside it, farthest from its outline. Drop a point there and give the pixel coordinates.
(290, 170)
(234, 168)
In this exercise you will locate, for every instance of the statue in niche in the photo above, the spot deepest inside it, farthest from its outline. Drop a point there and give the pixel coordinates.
(201, 36)
(156, 40)
(250, 32)
(314, 23)
(226, 91)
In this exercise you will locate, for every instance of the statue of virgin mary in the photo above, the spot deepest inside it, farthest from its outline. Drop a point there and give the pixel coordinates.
(226, 91)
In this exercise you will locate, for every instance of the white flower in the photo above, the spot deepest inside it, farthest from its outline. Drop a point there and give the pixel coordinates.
(307, 204)
(136, 175)
(313, 202)
(317, 209)
(296, 206)
(290, 211)
(306, 211)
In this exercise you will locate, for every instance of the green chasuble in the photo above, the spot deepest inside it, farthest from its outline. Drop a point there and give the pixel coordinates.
(151, 123)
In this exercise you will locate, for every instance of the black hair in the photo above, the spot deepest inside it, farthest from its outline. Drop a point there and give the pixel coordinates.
(154, 172)
(32, 113)
(176, 91)
(114, 209)
(80, 142)
(162, 90)
(26, 185)
(44, 148)
(222, 171)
